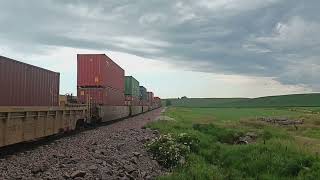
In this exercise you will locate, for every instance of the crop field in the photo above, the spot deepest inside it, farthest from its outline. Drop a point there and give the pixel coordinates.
(239, 143)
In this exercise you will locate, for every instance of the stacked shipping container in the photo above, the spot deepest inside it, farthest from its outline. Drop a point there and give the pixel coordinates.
(100, 80)
(150, 98)
(98, 70)
(132, 91)
(101, 96)
(132, 87)
(26, 85)
(156, 102)
(143, 96)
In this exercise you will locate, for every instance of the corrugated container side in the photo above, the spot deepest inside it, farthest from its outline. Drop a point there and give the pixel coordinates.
(27, 85)
(109, 113)
(132, 87)
(98, 70)
(150, 97)
(143, 93)
(132, 101)
(157, 101)
(116, 77)
(101, 96)
(143, 102)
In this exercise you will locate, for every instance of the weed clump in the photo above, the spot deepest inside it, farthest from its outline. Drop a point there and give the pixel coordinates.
(266, 135)
(222, 135)
(171, 151)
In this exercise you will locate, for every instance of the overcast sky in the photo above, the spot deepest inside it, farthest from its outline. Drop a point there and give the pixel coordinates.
(203, 48)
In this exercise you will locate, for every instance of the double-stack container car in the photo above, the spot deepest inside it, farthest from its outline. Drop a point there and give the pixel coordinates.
(101, 84)
(100, 80)
(29, 104)
(132, 93)
(143, 98)
(156, 102)
(143, 93)
(150, 97)
(31, 108)
(132, 90)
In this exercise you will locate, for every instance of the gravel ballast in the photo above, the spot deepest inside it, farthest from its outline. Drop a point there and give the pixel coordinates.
(115, 151)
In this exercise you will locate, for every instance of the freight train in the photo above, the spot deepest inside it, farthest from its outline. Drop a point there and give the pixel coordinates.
(31, 107)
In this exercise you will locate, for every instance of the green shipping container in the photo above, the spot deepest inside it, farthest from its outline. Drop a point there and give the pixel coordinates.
(143, 93)
(132, 87)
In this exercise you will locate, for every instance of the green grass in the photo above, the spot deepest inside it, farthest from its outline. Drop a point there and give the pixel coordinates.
(205, 102)
(278, 153)
(296, 100)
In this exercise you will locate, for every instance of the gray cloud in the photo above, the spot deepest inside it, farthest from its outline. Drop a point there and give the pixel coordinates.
(273, 38)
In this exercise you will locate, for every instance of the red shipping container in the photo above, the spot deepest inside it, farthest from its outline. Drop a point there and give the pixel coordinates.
(101, 96)
(27, 85)
(98, 70)
(157, 101)
(150, 97)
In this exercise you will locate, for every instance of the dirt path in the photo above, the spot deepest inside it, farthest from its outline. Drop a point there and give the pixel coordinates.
(111, 152)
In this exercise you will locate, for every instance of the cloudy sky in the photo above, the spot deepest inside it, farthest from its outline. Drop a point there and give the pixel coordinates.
(204, 48)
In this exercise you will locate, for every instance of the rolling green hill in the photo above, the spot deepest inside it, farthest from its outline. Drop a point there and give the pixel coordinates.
(205, 102)
(295, 100)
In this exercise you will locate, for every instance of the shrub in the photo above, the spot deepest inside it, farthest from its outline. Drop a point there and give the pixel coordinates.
(167, 151)
(189, 140)
(296, 164)
(170, 151)
(310, 173)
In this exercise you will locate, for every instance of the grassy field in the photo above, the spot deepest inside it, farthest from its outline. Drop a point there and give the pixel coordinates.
(205, 102)
(277, 152)
(296, 100)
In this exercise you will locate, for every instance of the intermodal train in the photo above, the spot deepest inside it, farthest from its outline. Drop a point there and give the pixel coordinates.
(31, 107)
